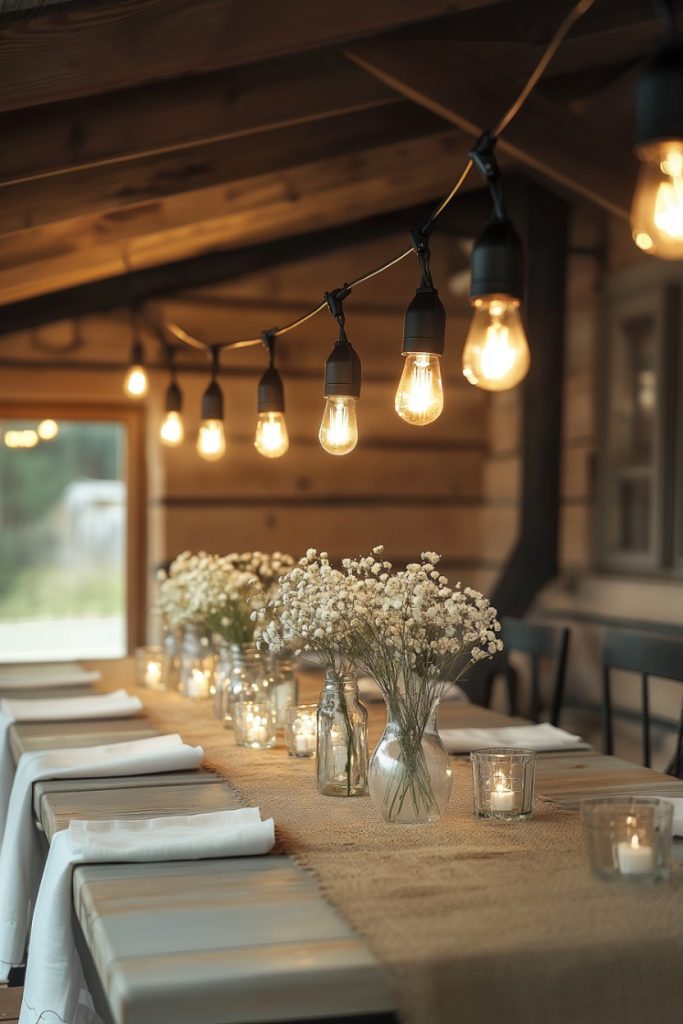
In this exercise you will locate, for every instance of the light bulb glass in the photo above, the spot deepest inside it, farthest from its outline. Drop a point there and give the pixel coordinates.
(657, 210)
(136, 383)
(21, 438)
(496, 354)
(272, 439)
(48, 430)
(211, 440)
(419, 397)
(339, 428)
(172, 431)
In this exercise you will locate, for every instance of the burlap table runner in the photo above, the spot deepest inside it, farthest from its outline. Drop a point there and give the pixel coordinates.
(475, 921)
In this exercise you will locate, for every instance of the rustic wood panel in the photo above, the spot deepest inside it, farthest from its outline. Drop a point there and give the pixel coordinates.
(26, 736)
(576, 536)
(502, 478)
(10, 1004)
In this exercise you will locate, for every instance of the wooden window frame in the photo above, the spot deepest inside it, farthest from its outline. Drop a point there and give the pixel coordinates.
(136, 491)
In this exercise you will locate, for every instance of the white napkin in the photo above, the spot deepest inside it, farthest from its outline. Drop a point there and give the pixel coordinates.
(21, 855)
(44, 675)
(677, 801)
(100, 705)
(531, 737)
(370, 691)
(54, 978)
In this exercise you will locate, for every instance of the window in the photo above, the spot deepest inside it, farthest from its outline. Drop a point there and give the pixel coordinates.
(641, 474)
(66, 547)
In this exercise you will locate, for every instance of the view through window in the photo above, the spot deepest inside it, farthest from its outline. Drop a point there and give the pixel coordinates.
(63, 510)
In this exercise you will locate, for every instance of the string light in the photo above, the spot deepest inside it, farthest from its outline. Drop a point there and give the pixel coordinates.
(211, 438)
(48, 430)
(419, 397)
(172, 429)
(21, 438)
(272, 439)
(136, 381)
(339, 428)
(496, 354)
(657, 209)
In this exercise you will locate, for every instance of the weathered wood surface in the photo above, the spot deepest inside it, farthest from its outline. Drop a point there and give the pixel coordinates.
(25, 736)
(10, 1003)
(241, 940)
(570, 778)
(43, 692)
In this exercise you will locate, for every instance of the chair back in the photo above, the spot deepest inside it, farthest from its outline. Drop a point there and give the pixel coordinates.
(648, 654)
(538, 640)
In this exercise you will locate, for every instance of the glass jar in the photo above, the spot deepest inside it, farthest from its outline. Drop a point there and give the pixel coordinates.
(196, 663)
(342, 764)
(410, 774)
(503, 780)
(254, 725)
(285, 689)
(170, 658)
(628, 839)
(249, 680)
(222, 671)
(149, 667)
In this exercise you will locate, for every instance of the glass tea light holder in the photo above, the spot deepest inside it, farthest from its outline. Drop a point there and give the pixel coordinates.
(301, 730)
(628, 839)
(504, 779)
(149, 668)
(254, 725)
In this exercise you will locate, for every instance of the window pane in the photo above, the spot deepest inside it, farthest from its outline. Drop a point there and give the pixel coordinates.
(62, 540)
(634, 509)
(637, 393)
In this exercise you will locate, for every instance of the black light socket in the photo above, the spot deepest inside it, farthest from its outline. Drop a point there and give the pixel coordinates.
(174, 398)
(497, 262)
(271, 393)
(212, 402)
(137, 354)
(424, 327)
(659, 96)
(342, 371)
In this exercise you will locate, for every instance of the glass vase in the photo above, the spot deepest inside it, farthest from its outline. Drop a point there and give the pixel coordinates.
(342, 721)
(222, 672)
(410, 776)
(249, 680)
(170, 658)
(285, 689)
(196, 663)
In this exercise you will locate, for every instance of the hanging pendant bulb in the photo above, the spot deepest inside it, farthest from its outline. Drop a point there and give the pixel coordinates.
(338, 433)
(172, 430)
(211, 438)
(657, 210)
(419, 396)
(136, 381)
(272, 439)
(496, 354)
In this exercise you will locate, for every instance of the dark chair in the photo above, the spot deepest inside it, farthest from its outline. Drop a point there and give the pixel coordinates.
(538, 641)
(648, 654)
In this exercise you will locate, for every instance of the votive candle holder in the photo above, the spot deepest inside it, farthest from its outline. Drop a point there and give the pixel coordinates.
(254, 725)
(301, 730)
(504, 780)
(149, 667)
(628, 839)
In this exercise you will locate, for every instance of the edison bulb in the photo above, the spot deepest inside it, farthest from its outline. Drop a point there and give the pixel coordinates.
(419, 397)
(272, 439)
(496, 355)
(211, 440)
(339, 428)
(136, 383)
(657, 210)
(48, 430)
(172, 431)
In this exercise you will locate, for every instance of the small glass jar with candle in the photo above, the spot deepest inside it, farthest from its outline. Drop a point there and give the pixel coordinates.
(196, 664)
(249, 680)
(254, 725)
(301, 729)
(285, 689)
(342, 762)
(628, 839)
(149, 667)
(503, 779)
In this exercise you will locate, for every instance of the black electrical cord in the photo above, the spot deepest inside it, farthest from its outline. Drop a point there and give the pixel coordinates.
(560, 34)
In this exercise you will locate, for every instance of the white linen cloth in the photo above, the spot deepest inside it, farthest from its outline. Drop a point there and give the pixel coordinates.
(57, 709)
(44, 675)
(531, 737)
(21, 856)
(54, 979)
(370, 691)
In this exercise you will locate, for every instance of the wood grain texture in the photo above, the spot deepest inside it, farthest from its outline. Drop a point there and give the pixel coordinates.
(10, 1004)
(26, 736)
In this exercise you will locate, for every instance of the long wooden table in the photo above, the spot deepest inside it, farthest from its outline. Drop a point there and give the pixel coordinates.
(246, 939)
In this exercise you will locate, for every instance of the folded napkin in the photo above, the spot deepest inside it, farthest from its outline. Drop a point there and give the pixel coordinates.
(531, 737)
(54, 979)
(370, 691)
(21, 856)
(45, 675)
(100, 705)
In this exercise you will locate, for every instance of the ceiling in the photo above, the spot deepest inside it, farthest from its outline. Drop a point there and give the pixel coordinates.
(140, 137)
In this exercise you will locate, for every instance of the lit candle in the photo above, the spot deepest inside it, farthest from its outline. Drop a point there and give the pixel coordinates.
(153, 674)
(635, 858)
(197, 685)
(502, 796)
(304, 743)
(256, 729)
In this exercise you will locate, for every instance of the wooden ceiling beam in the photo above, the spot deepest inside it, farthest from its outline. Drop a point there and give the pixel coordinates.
(98, 131)
(324, 193)
(545, 137)
(133, 183)
(101, 46)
